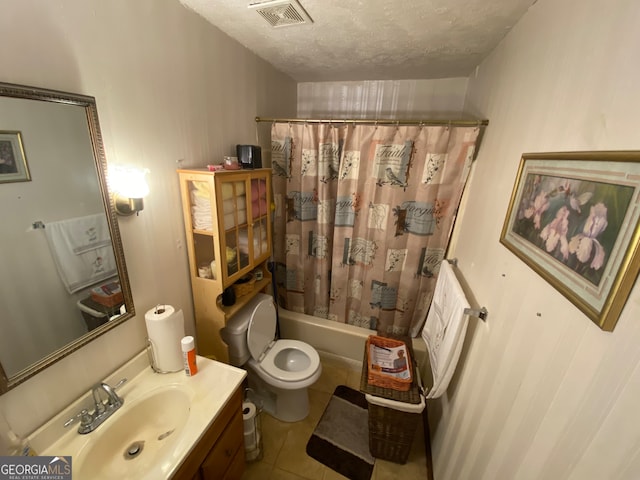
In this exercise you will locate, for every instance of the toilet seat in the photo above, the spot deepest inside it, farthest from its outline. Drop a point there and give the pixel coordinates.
(269, 354)
(270, 364)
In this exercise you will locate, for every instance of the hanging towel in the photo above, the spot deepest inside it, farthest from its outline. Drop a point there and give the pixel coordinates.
(445, 328)
(80, 262)
(83, 233)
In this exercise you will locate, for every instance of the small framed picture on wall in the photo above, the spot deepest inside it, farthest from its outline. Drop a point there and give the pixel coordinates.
(13, 161)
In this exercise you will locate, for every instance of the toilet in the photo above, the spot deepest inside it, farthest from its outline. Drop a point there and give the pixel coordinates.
(279, 371)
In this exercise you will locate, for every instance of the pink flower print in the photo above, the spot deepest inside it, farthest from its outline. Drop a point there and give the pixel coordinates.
(584, 243)
(556, 232)
(539, 205)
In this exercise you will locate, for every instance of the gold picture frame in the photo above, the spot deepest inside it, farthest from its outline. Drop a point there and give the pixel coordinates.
(13, 161)
(573, 218)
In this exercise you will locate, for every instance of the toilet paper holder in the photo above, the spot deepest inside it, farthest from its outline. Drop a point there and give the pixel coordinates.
(251, 413)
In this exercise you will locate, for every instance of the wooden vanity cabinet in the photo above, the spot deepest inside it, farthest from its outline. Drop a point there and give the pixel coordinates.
(219, 455)
(227, 218)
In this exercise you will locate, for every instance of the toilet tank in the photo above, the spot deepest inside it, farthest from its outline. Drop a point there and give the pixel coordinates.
(234, 334)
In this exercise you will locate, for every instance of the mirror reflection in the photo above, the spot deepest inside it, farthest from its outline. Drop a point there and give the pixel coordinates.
(63, 275)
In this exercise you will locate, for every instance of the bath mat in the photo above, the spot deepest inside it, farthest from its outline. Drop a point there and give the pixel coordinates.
(341, 438)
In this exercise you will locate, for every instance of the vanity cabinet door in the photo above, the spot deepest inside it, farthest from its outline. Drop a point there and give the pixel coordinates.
(228, 446)
(220, 452)
(236, 469)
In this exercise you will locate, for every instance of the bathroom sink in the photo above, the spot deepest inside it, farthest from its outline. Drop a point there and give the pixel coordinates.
(137, 438)
(161, 420)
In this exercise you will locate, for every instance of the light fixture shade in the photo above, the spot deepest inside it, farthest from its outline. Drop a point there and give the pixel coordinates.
(130, 187)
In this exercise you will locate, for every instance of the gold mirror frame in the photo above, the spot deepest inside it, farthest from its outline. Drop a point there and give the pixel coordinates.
(89, 105)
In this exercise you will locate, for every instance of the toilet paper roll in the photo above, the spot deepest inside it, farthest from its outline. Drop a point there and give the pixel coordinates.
(250, 441)
(249, 412)
(165, 330)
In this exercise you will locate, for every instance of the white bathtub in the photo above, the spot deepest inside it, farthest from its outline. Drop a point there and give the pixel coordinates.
(331, 337)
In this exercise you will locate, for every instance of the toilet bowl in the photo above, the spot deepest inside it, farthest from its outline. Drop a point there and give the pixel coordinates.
(279, 371)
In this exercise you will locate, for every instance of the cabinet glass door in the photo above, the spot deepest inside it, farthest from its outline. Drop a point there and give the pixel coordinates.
(260, 217)
(233, 213)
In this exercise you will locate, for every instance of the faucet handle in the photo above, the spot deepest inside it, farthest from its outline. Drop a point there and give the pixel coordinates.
(84, 416)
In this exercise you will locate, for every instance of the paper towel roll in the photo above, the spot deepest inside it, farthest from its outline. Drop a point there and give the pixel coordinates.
(165, 329)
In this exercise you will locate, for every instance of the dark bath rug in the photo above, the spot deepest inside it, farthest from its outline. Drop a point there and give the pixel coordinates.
(341, 438)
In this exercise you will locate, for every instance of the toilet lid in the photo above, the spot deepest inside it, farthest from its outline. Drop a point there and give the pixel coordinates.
(262, 327)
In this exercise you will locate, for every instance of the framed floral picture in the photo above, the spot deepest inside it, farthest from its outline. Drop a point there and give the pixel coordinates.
(573, 218)
(13, 162)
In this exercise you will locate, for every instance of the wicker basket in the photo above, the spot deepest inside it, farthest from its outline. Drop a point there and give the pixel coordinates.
(381, 379)
(244, 285)
(391, 432)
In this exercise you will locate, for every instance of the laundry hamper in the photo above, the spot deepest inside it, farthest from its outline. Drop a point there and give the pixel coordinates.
(394, 416)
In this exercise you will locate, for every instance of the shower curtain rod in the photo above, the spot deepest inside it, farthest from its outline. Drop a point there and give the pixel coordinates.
(361, 121)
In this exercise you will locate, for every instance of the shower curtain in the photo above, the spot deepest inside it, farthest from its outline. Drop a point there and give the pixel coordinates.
(363, 218)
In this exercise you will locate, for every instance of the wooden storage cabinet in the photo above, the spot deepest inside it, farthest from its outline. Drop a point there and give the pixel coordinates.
(227, 217)
(220, 452)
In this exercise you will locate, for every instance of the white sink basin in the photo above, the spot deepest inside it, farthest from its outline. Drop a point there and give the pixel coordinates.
(135, 439)
(161, 420)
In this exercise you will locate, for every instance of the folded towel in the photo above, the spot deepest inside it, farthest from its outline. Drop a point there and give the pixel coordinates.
(445, 328)
(78, 270)
(200, 189)
(258, 189)
(240, 204)
(258, 207)
(229, 192)
(230, 219)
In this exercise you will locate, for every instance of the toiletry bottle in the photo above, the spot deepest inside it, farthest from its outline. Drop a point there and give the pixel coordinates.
(189, 356)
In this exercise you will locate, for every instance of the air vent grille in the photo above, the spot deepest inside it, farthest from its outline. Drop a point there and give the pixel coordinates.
(282, 13)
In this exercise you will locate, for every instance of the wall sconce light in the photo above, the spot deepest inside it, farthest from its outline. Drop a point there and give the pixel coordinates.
(129, 187)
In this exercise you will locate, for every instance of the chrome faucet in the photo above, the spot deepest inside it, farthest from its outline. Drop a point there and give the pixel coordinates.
(103, 408)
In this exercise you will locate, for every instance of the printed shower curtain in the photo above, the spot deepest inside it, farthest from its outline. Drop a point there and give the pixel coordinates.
(363, 218)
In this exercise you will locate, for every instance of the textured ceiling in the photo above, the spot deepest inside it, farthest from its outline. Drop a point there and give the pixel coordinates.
(371, 39)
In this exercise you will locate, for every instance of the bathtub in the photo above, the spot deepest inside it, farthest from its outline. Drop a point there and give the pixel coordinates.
(331, 337)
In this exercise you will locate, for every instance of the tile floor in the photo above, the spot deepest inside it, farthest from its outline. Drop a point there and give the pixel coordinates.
(284, 444)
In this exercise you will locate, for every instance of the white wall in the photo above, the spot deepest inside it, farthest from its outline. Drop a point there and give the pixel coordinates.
(400, 99)
(168, 87)
(543, 393)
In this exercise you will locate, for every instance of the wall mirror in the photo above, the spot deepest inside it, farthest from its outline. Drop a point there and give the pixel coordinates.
(62, 268)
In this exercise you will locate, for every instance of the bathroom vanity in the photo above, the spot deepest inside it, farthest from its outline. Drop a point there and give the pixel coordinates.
(219, 455)
(227, 217)
(170, 426)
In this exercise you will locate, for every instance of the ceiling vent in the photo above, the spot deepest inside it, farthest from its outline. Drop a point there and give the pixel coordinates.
(282, 13)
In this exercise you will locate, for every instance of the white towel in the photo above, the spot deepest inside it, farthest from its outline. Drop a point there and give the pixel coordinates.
(229, 192)
(230, 219)
(78, 270)
(229, 206)
(445, 328)
(83, 233)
